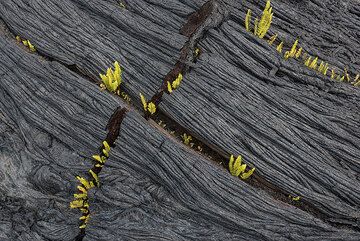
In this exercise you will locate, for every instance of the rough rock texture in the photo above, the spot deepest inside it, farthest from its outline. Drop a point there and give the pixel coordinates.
(301, 132)
(298, 128)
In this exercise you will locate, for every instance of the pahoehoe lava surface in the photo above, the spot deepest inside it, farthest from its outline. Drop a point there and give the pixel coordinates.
(299, 129)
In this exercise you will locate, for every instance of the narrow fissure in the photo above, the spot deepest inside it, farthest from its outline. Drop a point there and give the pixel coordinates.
(219, 158)
(113, 127)
(195, 28)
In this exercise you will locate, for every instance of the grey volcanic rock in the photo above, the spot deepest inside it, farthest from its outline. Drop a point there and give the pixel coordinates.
(298, 128)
